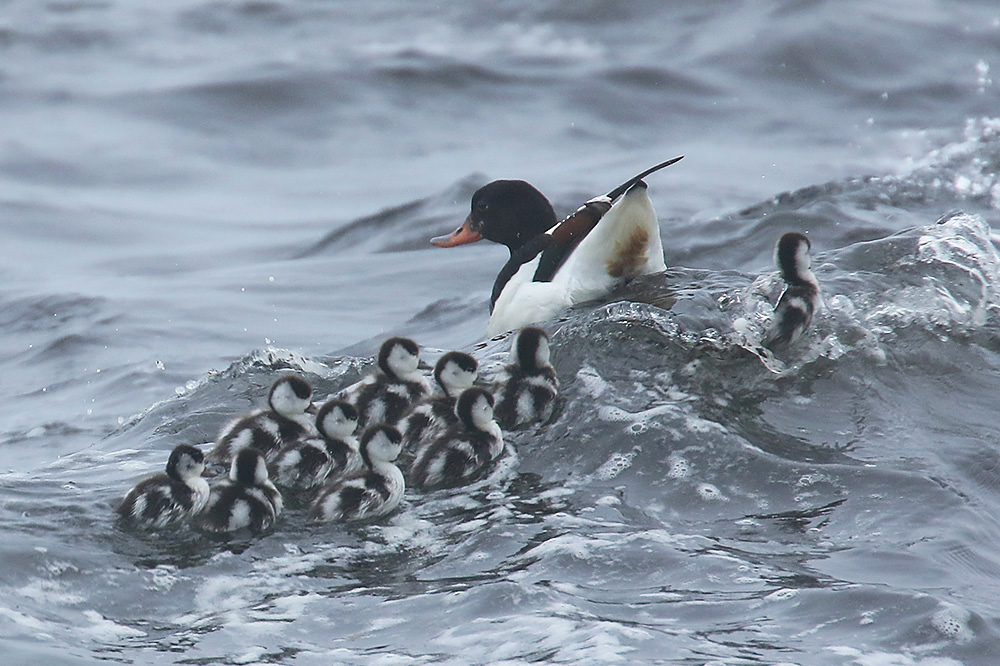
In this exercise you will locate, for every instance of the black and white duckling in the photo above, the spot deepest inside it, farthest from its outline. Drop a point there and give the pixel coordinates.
(286, 419)
(464, 449)
(454, 372)
(397, 383)
(794, 310)
(246, 500)
(168, 497)
(374, 491)
(527, 387)
(307, 463)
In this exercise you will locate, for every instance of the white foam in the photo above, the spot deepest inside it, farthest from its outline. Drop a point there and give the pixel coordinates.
(710, 493)
(811, 479)
(699, 425)
(104, 630)
(679, 467)
(953, 622)
(286, 608)
(164, 577)
(784, 594)
(27, 622)
(48, 592)
(590, 382)
(616, 464)
(554, 630)
(888, 658)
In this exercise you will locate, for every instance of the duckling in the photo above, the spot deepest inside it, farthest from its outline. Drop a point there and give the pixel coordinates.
(267, 430)
(794, 310)
(454, 372)
(308, 463)
(375, 491)
(528, 386)
(464, 449)
(163, 499)
(385, 395)
(247, 499)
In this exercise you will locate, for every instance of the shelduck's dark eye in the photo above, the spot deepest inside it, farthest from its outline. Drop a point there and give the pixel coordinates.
(481, 205)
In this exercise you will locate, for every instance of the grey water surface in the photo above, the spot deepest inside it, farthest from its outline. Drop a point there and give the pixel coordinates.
(197, 195)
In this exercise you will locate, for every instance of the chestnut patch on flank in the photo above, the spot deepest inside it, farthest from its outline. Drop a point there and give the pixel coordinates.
(630, 256)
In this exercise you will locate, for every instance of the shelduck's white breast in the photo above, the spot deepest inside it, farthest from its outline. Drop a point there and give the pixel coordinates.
(525, 302)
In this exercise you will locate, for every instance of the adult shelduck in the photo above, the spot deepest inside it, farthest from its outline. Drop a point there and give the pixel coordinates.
(552, 266)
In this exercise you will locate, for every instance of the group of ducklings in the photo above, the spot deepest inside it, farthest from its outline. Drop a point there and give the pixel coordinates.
(447, 436)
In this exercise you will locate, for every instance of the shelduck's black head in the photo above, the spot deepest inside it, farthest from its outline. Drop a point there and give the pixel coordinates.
(531, 349)
(509, 212)
(184, 462)
(474, 408)
(791, 255)
(248, 468)
(380, 442)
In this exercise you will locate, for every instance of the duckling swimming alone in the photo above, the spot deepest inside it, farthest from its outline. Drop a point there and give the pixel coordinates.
(794, 310)
(308, 463)
(168, 497)
(464, 449)
(247, 499)
(454, 372)
(528, 386)
(385, 395)
(374, 491)
(267, 430)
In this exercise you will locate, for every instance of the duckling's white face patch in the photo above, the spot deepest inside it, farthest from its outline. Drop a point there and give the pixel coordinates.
(402, 362)
(260, 471)
(287, 403)
(542, 353)
(188, 467)
(455, 379)
(384, 449)
(482, 413)
(337, 424)
(802, 258)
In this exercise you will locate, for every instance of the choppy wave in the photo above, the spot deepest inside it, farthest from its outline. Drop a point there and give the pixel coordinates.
(678, 479)
(249, 186)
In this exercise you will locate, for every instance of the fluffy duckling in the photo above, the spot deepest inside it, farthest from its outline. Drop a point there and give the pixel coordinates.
(527, 387)
(247, 499)
(454, 372)
(385, 395)
(267, 430)
(308, 463)
(168, 497)
(464, 449)
(375, 491)
(794, 310)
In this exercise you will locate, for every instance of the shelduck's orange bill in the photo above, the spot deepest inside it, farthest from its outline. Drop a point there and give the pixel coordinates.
(461, 236)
